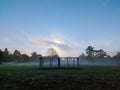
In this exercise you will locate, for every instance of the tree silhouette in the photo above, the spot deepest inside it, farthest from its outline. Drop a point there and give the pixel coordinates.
(17, 55)
(1, 56)
(6, 54)
(90, 51)
(51, 52)
(25, 57)
(108, 57)
(117, 58)
(100, 53)
(6, 51)
(34, 56)
(82, 56)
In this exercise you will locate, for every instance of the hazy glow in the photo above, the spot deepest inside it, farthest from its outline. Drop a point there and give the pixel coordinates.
(58, 41)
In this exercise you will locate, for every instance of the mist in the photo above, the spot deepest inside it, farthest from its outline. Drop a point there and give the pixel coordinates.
(71, 62)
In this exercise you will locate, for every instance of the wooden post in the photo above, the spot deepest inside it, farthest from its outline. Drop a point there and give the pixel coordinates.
(58, 62)
(74, 62)
(40, 61)
(50, 62)
(77, 62)
(67, 61)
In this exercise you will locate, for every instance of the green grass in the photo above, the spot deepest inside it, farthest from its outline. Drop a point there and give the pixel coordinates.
(14, 71)
(12, 75)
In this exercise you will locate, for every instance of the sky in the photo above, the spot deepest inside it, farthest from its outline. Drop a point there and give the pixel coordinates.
(68, 26)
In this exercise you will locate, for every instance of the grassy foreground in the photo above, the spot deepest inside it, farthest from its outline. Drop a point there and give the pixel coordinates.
(16, 77)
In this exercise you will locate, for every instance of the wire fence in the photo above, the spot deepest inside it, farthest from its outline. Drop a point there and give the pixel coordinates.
(59, 62)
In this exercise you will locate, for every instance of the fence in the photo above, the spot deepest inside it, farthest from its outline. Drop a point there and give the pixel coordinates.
(59, 62)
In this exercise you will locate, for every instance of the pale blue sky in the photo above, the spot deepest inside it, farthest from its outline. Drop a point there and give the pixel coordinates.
(69, 26)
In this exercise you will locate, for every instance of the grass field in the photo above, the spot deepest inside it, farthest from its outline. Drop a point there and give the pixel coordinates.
(17, 77)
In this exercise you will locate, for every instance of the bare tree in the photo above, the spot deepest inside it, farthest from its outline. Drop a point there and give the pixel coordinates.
(51, 52)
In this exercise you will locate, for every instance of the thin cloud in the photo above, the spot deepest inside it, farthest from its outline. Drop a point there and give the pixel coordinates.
(64, 44)
(45, 44)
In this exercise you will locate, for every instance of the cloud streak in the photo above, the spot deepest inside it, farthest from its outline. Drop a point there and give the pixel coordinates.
(64, 44)
(45, 44)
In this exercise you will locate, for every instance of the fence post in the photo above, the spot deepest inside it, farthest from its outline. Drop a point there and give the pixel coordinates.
(74, 62)
(77, 62)
(58, 62)
(67, 62)
(50, 62)
(40, 62)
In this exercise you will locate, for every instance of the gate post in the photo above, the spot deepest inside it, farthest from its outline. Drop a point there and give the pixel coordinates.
(73, 62)
(58, 62)
(40, 62)
(77, 62)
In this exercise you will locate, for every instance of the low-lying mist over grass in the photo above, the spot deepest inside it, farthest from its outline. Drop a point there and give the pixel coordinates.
(65, 63)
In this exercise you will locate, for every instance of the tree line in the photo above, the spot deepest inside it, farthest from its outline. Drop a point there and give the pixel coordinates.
(16, 56)
(91, 55)
(100, 54)
(95, 55)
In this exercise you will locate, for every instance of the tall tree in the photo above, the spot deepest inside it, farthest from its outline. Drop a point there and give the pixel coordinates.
(100, 53)
(117, 58)
(17, 55)
(25, 58)
(34, 56)
(90, 53)
(51, 52)
(6, 54)
(1, 56)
